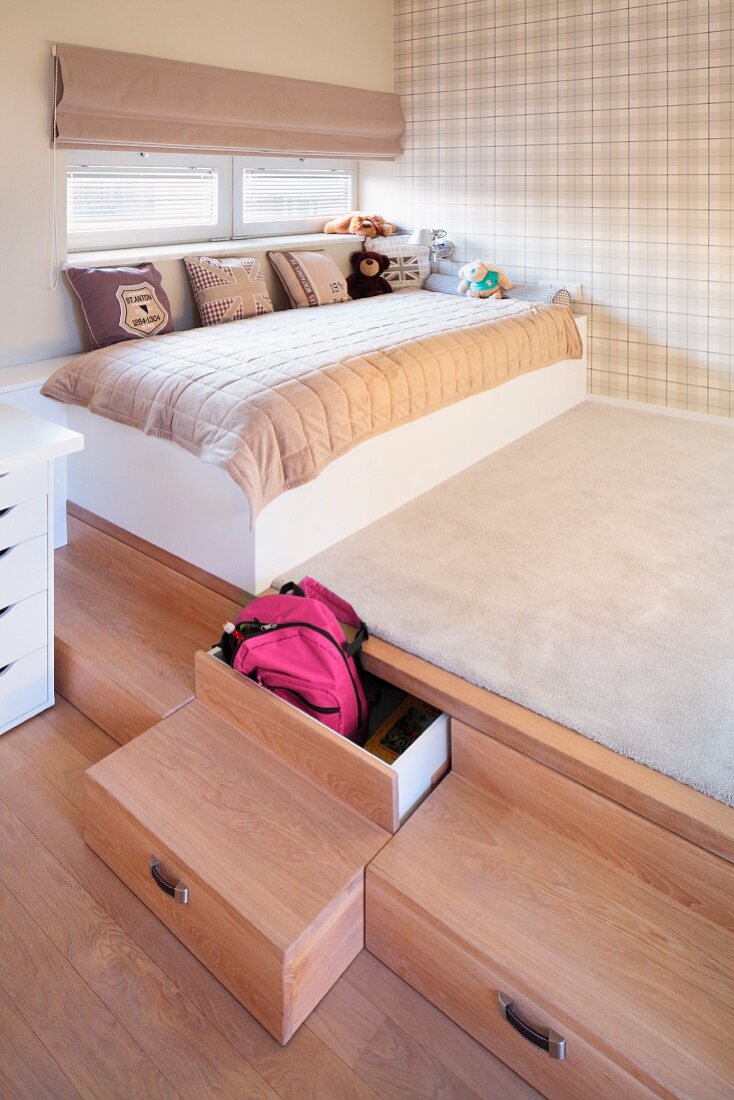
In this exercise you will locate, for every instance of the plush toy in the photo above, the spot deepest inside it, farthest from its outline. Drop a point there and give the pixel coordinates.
(481, 279)
(366, 280)
(363, 225)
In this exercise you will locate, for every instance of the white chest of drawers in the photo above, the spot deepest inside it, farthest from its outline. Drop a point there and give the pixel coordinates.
(28, 448)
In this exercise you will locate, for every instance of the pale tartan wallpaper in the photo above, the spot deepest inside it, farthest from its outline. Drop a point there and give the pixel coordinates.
(586, 142)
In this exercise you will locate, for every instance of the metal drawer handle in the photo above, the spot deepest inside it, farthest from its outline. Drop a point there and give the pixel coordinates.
(544, 1038)
(175, 890)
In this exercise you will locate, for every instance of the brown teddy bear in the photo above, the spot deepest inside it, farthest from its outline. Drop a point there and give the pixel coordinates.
(366, 280)
(363, 225)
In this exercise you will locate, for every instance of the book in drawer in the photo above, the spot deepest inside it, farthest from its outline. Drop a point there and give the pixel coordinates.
(600, 930)
(258, 871)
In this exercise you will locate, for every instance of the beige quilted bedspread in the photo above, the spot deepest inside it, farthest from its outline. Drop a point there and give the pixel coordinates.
(276, 398)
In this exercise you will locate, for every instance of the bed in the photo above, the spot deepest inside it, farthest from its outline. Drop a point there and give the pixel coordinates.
(323, 419)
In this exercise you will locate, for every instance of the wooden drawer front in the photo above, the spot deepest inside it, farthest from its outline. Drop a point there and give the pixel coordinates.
(384, 793)
(23, 484)
(23, 628)
(342, 768)
(243, 960)
(466, 989)
(23, 686)
(274, 867)
(599, 924)
(20, 522)
(23, 571)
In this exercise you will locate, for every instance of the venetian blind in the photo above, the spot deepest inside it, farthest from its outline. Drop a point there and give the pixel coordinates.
(271, 195)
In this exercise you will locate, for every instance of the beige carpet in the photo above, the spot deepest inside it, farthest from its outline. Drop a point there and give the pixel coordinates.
(587, 572)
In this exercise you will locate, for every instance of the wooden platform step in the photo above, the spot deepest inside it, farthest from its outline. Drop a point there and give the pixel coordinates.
(269, 866)
(606, 933)
(127, 629)
(125, 1010)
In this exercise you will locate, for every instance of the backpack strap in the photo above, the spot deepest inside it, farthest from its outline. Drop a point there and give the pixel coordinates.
(358, 640)
(291, 589)
(313, 590)
(344, 612)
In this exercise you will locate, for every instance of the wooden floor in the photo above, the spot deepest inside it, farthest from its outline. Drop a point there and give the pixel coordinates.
(98, 999)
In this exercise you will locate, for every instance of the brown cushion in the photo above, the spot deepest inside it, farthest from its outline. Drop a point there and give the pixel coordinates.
(227, 290)
(121, 303)
(310, 278)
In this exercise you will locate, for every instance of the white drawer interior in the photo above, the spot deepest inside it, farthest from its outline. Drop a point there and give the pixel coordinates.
(23, 484)
(421, 766)
(23, 521)
(23, 628)
(23, 687)
(23, 570)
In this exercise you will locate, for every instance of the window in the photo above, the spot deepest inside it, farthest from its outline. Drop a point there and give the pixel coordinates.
(124, 199)
(286, 196)
(132, 199)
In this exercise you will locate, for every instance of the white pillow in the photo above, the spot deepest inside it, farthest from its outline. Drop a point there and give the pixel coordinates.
(410, 264)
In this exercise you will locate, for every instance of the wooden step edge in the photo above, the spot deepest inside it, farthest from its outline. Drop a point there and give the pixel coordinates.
(164, 557)
(343, 770)
(318, 959)
(679, 808)
(112, 707)
(633, 846)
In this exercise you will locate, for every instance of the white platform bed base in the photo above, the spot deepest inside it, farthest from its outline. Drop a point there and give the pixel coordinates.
(164, 495)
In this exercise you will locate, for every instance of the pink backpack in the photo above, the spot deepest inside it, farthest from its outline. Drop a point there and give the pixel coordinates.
(292, 644)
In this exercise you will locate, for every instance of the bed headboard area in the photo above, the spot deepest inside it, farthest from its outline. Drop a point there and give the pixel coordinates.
(169, 261)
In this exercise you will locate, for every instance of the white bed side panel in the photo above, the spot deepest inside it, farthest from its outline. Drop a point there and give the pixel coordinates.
(160, 492)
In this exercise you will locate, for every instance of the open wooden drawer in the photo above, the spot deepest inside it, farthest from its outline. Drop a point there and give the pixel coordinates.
(257, 870)
(384, 793)
(546, 920)
(246, 826)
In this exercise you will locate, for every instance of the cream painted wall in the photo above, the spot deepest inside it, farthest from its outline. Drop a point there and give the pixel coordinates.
(299, 38)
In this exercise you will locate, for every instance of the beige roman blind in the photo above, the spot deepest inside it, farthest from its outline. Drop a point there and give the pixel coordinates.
(111, 100)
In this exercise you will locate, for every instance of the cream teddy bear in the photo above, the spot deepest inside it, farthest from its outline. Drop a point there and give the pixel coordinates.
(481, 279)
(363, 225)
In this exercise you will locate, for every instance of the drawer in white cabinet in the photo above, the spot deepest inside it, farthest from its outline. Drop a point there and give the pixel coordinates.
(23, 687)
(23, 570)
(20, 522)
(23, 628)
(23, 484)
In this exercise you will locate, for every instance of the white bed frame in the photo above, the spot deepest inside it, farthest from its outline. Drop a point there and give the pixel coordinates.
(161, 493)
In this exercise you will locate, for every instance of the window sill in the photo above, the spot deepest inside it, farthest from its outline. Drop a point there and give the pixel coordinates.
(124, 256)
